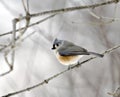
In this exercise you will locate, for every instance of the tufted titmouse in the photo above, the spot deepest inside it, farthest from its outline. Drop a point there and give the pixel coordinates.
(68, 53)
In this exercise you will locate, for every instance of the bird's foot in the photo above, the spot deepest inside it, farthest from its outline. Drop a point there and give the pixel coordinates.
(70, 67)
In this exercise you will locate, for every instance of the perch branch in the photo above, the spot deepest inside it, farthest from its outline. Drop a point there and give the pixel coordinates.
(58, 74)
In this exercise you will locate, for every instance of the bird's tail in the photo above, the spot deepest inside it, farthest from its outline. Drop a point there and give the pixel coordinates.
(96, 54)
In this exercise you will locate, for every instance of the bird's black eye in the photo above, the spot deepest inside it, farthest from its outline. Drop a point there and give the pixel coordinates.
(57, 44)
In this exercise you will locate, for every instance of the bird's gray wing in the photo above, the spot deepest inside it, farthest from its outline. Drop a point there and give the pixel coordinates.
(73, 50)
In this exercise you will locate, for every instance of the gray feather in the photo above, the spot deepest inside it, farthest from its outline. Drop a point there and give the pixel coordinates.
(68, 49)
(96, 54)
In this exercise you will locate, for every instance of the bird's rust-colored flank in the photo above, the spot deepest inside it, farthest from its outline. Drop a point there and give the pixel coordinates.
(67, 60)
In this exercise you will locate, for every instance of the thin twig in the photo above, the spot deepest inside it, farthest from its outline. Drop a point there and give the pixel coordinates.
(111, 49)
(102, 17)
(28, 6)
(58, 74)
(5, 73)
(14, 39)
(13, 51)
(25, 9)
(6, 46)
(27, 20)
(25, 38)
(116, 93)
(13, 42)
(69, 9)
(38, 22)
(9, 65)
(24, 28)
(6, 53)
(63, 10)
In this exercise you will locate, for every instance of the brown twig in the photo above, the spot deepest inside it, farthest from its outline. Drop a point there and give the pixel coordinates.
(25, 9)
(28, 6)
(12, 44)
(4, 47)
(14, 39)
(58, 74)
(38, 22)
(24, 28)
(63, 10)
(6, 59)
(116, 93)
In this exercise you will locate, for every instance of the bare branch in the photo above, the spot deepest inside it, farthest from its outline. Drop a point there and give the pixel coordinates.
(24, 28)
(6, 53)
(116, 93)
(63, 10)
(10, 32)
(58, 74)
(9, 65)
(25, 38)
(69, 9)
(111, 49)
(28, 6)
(12, 44)
(24, 6)
(16, 39)
(13, 41)
(22, 40)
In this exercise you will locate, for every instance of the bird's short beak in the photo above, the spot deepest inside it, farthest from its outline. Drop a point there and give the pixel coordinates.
(53, 47)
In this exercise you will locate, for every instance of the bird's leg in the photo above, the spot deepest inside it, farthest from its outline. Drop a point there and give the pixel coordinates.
(78, 64)
(70, 67)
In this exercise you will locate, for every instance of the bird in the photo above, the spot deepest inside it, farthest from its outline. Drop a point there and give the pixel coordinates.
(69, 53)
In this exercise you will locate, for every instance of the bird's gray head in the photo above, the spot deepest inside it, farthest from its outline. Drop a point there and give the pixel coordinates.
(57, 43)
